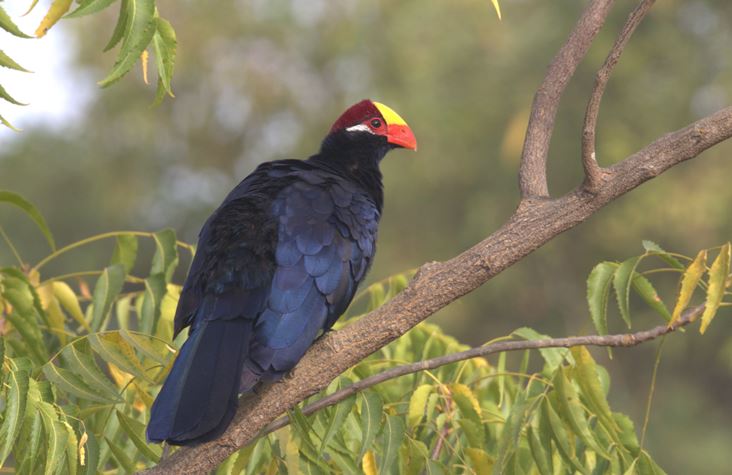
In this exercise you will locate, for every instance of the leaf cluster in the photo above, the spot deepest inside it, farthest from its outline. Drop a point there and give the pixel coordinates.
(83, 355)
(139, 28)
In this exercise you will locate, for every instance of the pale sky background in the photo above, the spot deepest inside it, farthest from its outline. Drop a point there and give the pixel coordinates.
(56, 94)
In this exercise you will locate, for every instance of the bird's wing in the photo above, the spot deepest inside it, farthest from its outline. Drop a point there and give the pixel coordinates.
(235, 249)
(326, 234)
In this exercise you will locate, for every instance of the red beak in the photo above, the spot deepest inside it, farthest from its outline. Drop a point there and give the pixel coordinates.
(401, 136)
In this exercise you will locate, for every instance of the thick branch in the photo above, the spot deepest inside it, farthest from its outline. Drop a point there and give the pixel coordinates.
(593, 172)
(620, 340)
(532, 177)
(438, 284)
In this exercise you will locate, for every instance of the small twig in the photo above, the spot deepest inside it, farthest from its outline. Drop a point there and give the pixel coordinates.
(593, 172)
(619, 340)
(651, 392)
(532, 176)
(443, 433)
(11, 246)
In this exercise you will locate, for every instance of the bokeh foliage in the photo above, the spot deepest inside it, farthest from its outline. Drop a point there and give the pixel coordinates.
(260, 80)
(81, 367)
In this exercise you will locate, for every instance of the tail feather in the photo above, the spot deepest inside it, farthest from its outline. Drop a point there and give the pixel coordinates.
(199, 397)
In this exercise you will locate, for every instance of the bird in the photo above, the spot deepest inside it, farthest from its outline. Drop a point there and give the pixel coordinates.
(277, 263)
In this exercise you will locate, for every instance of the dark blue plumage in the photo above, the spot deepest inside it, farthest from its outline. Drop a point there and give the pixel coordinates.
(277, 263)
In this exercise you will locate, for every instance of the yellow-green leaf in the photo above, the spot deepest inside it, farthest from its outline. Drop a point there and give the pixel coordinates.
(8, 62)
(7, 24)
(54, 14)
(418, 404)
(689, 281)
(135, 430)
(481, 462)
(622, 280)
(497, 7)
(717, 278)
(70, 302)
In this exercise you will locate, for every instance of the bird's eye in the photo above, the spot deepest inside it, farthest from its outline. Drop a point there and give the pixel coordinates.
(376, 123)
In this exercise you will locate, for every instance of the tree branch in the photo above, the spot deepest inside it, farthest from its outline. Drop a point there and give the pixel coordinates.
(619, 340)
(593, 172)
(532, 176)
(437, 284)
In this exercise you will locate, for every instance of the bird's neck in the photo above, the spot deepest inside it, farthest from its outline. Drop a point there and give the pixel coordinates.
(357, 161)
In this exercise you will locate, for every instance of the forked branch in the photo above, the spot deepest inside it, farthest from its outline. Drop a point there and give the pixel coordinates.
(535, 222)
(532, 176)
(593, 172)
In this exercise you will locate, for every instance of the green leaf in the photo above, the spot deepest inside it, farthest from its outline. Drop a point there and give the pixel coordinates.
(587, 376)
(77, 357)
(7, 62)
(541, 452)
(418, 405)
(7, 24)
(87, 8)
(150, 312)
(645, 289)
(121, 457)
(55, 431)
(393, 436)
(560, 435)
(113, 349)
(371, 407)
(654, 248)
(717, 278)
(553, 356)
(72, 384)
(32, 212)
(119, 28)
(165, 258)
(4, 95)
(125, 251)
(598, 291)
(164, 45)
(135, 430)
(139, 30)
(341, 411)
(144, 344)
(15, 398)
(473, 431)
(107, 288)
(2, 351)
(91, 449)
(509, 438)
(627, 433)
(622, 282)
(573, 412)
(689, 281)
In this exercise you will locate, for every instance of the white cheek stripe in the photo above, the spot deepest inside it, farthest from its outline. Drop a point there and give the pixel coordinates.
(360, 128)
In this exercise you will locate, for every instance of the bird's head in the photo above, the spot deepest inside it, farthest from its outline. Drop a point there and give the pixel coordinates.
(371, 121)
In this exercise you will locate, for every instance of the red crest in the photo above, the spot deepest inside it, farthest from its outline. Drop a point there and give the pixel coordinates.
(356, 114)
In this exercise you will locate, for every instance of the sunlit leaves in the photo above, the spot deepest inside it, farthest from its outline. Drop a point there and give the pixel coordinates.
(138, 30)
(689, 281)
(718, 275)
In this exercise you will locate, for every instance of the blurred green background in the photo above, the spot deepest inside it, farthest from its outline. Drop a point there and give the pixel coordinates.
(258, 80)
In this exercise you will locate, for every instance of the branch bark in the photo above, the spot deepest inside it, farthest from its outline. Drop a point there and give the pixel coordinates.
(532, 177)
(593, 171)
(436, 284)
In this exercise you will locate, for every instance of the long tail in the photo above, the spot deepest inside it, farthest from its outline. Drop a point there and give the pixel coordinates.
(199, 397)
